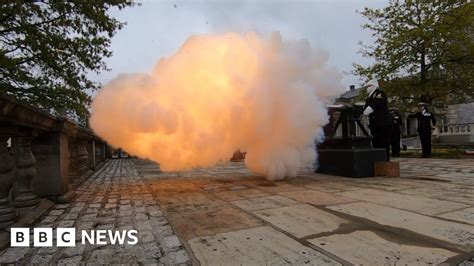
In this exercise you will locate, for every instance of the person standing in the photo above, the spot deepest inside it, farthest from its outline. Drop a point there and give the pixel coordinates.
(396, 132)
(426, 125)
(380, 122)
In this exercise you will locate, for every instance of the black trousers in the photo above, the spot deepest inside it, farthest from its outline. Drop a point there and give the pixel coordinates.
(395, 141)
(425, 139)
(381, 138)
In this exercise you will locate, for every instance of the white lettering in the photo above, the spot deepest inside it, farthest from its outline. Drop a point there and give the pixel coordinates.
(89, 237)
(66, 237)
(43, 237)
(132, 235)
(115, 236)
(101, 236)
(20, 237)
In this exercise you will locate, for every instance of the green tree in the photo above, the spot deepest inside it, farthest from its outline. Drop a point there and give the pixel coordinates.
(47, 50)
(423, 50)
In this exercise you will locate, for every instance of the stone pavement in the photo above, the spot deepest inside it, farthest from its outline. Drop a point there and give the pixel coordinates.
(226, 216)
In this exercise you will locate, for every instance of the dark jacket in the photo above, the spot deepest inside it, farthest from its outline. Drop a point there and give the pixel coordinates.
(424, 122)
(381, 116)
(396, 120)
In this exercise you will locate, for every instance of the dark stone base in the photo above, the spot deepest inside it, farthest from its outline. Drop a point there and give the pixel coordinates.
(7, 214)
(25, 199)
(5, 225)
(350, 162)
(26, 218)
(64, 198)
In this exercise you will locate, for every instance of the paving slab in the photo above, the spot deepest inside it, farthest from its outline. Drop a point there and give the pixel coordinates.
(301, 181)
(459, 192)
(275, 187)
(251, 193)
(452, 232)
(383, 185)
(428, 182)
(367, 248)
(211, 220)
(463, 197)
(181, 201)
(407, 202)
(316, 197)
(330, 187)
(462, 176)
(228, 195)
(323, 188)
(301, 220)
(465, 215)
(269, 202)
(446, 184)
(256, 246)
(426, 192)
(176, 185)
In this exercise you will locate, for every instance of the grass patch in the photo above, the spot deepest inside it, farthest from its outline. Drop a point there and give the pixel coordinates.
(452, 153)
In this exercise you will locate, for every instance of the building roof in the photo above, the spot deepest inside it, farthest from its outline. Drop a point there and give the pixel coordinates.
(350, 94)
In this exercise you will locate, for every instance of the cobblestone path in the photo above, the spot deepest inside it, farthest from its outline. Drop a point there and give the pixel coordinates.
(114, 198)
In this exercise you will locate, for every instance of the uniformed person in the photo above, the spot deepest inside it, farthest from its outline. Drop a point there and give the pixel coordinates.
(396, 132)
(380, 121)
(426, 125)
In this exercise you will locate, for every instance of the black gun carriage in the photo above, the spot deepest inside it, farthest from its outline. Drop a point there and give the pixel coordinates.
(347, 149)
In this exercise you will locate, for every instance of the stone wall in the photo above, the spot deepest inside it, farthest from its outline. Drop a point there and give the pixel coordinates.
(41, 156)
(456, 114)
(466, 113)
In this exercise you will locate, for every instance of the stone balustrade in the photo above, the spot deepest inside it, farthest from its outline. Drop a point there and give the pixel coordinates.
(455, 133)
(41, 156)
(455, 129)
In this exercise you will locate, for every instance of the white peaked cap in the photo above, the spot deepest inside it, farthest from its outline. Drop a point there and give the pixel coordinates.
(372, 85)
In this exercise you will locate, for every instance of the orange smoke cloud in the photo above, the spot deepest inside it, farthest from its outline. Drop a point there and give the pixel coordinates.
(221, 93)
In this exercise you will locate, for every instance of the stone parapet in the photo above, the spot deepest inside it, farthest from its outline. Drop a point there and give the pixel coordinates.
(41, 156)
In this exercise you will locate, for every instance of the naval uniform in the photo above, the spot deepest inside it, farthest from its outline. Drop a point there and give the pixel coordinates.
(425, 119)
(380, 121)
(396, 132)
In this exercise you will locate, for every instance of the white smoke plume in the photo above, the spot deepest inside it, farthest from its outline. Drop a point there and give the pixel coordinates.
(220, 93)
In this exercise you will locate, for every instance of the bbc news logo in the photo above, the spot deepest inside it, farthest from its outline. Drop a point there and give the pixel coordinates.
(66, 237)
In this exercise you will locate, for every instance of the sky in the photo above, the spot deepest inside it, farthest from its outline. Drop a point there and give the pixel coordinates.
(156, 29)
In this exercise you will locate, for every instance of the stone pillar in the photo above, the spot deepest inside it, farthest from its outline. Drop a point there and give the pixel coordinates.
(52, 155)
(79, 162)
(108, 151)
(91, 154)
(83, 157)
(25, 171)
(73, 166)
(104, 151)
(98, 152)
(7, 211)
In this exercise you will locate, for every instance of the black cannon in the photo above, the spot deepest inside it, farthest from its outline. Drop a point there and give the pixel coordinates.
(347, 149)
